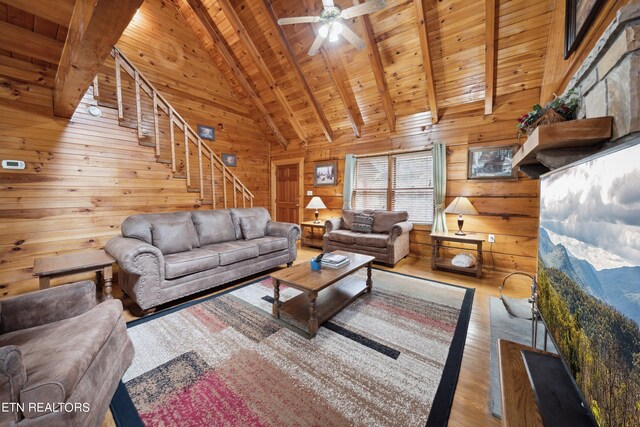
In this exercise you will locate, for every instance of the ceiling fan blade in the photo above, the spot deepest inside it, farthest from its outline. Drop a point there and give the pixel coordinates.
(298, 20)
(327, 3)
(364, 8)
(352, 38)
(315, 47)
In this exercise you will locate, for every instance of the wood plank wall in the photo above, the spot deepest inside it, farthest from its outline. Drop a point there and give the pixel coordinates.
(507, 209)
(558, 71)
(84, 176)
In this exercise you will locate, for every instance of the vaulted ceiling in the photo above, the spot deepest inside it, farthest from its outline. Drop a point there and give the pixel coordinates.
(423, 57)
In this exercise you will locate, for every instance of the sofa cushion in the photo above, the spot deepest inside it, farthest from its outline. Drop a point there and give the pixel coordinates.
(375, 240)
(171, 237)
(362, 223)
(385, 220)
(183, 263)
(261, 214)
(267, 245)
(343, 236)
(214, 226)
(232, 252)
(348, 214)
(58, 354)
(252, 228)
(139, 226)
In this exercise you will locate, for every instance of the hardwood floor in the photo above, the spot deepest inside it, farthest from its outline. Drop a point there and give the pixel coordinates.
(471, 401)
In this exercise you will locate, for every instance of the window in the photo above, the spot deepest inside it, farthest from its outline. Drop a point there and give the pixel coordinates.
(402, 181)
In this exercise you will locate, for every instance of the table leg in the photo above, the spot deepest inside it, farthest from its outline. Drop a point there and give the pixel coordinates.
(107, 276)
(434, 252)
(313, 319)
(45, 281)
(276, 299)
(479, 261)
(369, 281)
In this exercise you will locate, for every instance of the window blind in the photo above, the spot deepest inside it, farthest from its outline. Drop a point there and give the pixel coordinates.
(372, 177)
(412, 185)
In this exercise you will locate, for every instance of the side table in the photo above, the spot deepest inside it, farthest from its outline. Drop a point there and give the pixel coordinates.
(63, 265)
(312, 241)
(440, 263)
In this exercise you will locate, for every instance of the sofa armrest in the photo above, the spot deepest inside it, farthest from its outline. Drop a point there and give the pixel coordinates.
(13, 376)
(283, 229)
(126, 251)
(333, 224)
(399, 229)
(47, 306)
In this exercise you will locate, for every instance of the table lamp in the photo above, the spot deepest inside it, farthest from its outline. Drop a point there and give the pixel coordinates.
(316, 203)
(461, 206)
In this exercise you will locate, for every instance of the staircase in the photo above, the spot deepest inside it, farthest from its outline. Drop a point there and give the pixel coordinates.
(159, 126)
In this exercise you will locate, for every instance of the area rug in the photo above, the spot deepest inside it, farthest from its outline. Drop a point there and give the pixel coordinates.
(390, 358)
(506, 326)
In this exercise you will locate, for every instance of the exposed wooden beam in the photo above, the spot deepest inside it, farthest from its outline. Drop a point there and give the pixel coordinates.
(25, 42)
(256, 57)
(201, 15)
(340, 79)
(96, 26)
(489, 55)
(421, 21)
(378, 70)
(57, 11)
(293, 62)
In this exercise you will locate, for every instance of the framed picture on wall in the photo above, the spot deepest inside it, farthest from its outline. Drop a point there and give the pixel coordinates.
(325, 174)
(229, 160)
(580, 14)
(491, 163)
(207, 132)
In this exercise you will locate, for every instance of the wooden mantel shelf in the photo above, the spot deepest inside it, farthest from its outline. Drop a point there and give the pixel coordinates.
(571, 134)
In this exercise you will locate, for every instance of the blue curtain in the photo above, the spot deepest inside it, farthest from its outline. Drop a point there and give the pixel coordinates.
(439, 187)
(349, 180)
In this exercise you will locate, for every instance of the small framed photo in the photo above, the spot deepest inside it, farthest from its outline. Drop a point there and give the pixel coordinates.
(491, 163)
(325, 174)
(207, 132)
(229, 160)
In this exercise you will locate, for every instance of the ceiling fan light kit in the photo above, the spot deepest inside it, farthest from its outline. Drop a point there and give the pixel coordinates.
(332, 27)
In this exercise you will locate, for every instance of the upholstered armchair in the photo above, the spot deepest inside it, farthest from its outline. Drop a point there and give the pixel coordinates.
(386, 237)
(62, 356)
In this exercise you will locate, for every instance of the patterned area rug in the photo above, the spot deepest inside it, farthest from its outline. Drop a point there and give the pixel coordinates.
(391, 358)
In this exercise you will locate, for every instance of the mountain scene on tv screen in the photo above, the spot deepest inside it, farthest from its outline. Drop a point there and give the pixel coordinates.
(589, 279)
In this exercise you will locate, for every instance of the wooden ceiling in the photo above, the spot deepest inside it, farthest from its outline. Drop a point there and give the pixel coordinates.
(423, 57)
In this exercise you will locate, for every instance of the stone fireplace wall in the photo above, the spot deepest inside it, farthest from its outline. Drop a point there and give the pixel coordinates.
(609, 79)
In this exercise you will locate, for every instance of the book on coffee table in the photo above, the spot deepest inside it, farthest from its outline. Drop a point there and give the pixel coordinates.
(332, 258)
(336, 265)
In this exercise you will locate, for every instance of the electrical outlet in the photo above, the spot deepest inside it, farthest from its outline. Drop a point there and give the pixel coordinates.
(309, 192)
(492, 238)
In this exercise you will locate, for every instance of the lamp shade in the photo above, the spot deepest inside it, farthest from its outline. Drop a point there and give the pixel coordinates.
(461, 205)
(316, 203)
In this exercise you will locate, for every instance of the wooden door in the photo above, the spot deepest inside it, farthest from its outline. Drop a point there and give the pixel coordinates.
(287, 193)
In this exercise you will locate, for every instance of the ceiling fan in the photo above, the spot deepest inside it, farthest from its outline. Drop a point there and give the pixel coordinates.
(331, 26)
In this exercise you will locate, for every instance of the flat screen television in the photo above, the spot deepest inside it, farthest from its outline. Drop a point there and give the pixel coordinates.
(589, 278)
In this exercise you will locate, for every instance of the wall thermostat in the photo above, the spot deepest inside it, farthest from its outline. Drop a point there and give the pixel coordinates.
(13, 164)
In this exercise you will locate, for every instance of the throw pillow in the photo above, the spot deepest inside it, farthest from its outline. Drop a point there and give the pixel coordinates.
(251, 228)
(171, 237)
(362, 223)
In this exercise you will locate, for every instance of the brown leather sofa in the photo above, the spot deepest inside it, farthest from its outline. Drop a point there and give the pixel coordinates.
(61, 356)
(388, 242)
(166, 256)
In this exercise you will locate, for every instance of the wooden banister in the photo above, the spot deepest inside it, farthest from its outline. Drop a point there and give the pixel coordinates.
(175, 119)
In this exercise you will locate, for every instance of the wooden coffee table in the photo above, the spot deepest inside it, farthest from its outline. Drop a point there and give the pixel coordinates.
(339, 287)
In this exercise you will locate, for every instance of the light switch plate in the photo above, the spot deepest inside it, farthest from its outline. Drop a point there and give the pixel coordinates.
(309, 192)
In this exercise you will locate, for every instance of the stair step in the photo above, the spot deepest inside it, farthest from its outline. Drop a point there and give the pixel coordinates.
(164, 161)
(193, 190)
(179, 176)
(207, 202)
(106, 102)
(146, 141)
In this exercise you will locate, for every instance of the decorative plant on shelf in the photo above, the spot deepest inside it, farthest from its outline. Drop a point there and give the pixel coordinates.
(561, 109)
